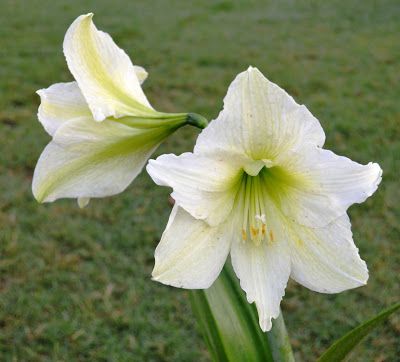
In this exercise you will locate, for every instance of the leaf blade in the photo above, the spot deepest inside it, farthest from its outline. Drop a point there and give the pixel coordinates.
(344, 345)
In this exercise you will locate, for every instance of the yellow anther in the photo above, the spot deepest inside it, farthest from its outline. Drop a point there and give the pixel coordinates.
(271, 235)
(254, 231)
(244, 235)
(263, 229)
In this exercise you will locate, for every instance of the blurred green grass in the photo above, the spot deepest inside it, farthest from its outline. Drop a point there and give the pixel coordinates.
(75, 284)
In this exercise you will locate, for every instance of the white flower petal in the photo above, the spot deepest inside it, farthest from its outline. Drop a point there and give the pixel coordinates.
(190, 254)
(61, 102)
(104, 72)
(260, 119)
(203, 186)
(326, 260)
(327, 184)
(90, 159)
(348, 182)
(263, 271)
(263, 266)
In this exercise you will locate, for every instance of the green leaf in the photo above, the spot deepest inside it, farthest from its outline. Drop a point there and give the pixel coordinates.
(343, 346)
(230, 324)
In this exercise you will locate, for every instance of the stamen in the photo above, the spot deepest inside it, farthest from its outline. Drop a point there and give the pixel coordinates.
(271, 235)
(263, 231)
(252, 203)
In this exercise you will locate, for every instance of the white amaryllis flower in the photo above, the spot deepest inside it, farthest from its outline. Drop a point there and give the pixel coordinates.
(260, 186)
(103, 127)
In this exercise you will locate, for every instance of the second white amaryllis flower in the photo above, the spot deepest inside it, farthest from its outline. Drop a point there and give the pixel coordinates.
(103, 127)
(260, 186)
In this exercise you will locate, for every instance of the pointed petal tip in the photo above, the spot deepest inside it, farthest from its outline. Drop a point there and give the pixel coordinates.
(357, 283)
(254, 71)
(39, 200)
(43, 94)
(251, 73)
(85, 16)
(161, 276)
(38, 194)
(81, 18)
(157, 274)
(83, 202)
(154, 274)
(265, 324)
(141, 73)
(149, 166)
(377, 172)
(158, 277)
(34, 189)
(364, 279)
(39, 197)
(150, 161)
(364, 282)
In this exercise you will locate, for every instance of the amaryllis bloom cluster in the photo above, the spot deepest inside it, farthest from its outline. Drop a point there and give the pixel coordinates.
(103, 127)
(260, 186)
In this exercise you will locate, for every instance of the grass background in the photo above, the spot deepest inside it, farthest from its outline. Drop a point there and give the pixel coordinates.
(75, 284)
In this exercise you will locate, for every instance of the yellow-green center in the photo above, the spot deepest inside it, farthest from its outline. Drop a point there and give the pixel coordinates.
(258, 193)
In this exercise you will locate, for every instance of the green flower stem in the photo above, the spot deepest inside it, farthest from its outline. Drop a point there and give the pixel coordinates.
(230, 324)
(279, 342)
